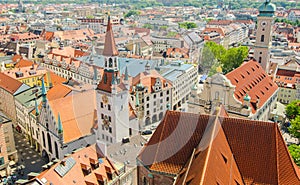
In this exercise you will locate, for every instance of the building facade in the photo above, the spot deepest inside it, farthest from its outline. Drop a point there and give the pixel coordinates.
(245, 92)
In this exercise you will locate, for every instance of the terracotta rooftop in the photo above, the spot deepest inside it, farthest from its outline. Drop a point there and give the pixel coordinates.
(250, 78)
(149, 80)
(58, 91)
(84, 160)
(24, 63)
(110, 48)
(247, 151)
(9, 84)
(77, 114)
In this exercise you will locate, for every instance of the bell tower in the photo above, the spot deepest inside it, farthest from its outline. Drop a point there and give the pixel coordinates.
(264, 34)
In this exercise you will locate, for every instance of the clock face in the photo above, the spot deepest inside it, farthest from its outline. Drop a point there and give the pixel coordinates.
(104, 99)
(263, 23)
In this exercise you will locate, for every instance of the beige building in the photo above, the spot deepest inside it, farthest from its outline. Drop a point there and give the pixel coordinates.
(8, 88)
(288, 80)
(245, 92)
(8, 150)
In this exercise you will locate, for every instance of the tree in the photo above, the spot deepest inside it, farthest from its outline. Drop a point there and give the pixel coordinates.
(293, 109)
(148, 26)
(187, 25)
(295, 153)
(294, 128)
(207, 58)
(163, 28)
(233, 58)
(131, 12)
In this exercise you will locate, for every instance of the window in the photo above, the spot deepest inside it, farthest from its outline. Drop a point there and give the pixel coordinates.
(147, 105)
(109, 118)
(1, 160)
(154, 96)
(110, 130)
(101, 104)
(6, 139)
(167, 99)
(148, 98)
(259, 60)
(161, 94)
(108, 107)
(102, 116)
(262, 38)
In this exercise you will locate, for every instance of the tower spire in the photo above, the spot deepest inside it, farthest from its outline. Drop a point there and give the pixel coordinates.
(44, 92)
(110, 44)
(60, 128)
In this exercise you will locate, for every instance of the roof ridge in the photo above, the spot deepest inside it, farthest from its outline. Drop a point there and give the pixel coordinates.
(211, 138)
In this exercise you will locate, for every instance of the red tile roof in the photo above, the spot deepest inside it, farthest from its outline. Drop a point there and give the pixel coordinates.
(58, 91)
(9, 84)
(213, 161)
(251, 79)
(257, 147)
(84, 159)
(24, 63)
(110, 48)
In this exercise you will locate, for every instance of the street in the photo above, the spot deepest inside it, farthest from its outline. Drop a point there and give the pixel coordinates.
(29, 159)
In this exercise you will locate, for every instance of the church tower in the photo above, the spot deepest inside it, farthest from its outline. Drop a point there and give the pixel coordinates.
(112, 95)
(264, 34)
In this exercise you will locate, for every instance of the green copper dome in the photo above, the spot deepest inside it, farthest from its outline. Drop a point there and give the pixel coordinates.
(267, 9)
(247, 97)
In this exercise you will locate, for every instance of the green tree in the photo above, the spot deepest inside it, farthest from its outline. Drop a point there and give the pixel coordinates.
(163, 28)
(293, 109)
(132, 12)
(233, 58)
(294, 128)
(187, 25)
(295, 153)
(207, 58)
(148, 26)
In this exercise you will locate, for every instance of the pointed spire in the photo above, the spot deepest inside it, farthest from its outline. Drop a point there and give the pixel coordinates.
(126, 74)
(60, 128)
(36, 108)
(110, 48)
(44, 91)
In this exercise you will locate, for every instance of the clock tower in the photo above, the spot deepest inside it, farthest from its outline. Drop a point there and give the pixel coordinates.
(264, 34)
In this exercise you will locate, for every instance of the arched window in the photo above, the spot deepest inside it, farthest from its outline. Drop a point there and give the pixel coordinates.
(44, 143)
(110, 62)
(145, 181)
(262, 38)
(217, 95)
(49, 142)
(105, 63)
(259, 60)
(160, 116)
(56, 150)
(154, 118)
(116, 62)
